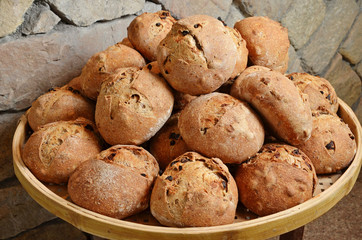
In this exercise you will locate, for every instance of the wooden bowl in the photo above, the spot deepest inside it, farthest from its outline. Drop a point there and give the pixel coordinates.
(54, 198)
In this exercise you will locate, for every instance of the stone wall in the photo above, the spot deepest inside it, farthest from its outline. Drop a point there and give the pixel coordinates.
(45, 43)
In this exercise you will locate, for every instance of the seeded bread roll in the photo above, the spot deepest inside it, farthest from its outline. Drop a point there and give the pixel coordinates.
(278, 177)
(168, 144)
(218, 125)
(321, 94)
(194, 191)
(59, 104)
(279, 101)
(332, 145)
(116, 183)
(132, 106)
(198, 55)
(147, 31)
(56, 149)
(267, 42)
(103, 64)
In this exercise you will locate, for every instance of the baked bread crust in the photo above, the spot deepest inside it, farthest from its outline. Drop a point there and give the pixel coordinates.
(278, 177)
(56, 149)
(132, 106)
(147, 30)
(198, 55)
(267, 42)
(219, 125)
(194, 191)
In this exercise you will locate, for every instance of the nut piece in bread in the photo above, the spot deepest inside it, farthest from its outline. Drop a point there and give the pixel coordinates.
(194, 191)
(321, 94)
(267, 42)
(278, 177)
(132, 106)
(56, 149)
(116, 183)
(219, 125)
(103, 64)
(198, 55)
(280, 103)
(59, 104)
(332, 145)
(147, 30)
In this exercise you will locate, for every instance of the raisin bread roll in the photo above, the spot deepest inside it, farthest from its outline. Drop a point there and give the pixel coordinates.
(56, 149)
(278, 177)
(194, 191)
(321, 94)
(332, 145)
(198, 55)
(101, 65)
(285, 109)
(218, 125)
(59, 104)
(147, 30)
(132, 106)
(267, 42)
(181, 100)
(242, 56)
(116, 183)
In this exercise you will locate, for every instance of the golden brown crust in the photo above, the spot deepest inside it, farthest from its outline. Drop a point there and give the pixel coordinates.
(218, 125)
(132, 106)
(181, 100)
(278, 177)
(147, 30)
(127, 42)
(321, 94)
(59, 104)
(198, 55)
(194, 191)
(280, 103)
(101, 65)
(242, 55)
(267, 42)
(332, 145)
(56, 149)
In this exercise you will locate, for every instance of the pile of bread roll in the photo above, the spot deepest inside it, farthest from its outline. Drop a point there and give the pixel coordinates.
(159, 120)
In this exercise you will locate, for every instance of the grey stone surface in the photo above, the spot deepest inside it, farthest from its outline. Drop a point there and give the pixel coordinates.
(324, 42)
(32, 65)
(274, 9)
(185, 8)
(302, 19)
(294, 64)
(345, 81)
(233, 16)
(39, 19)
(351, 48)
(85, 12)
(19, 212)
(8, 123)
(358, 69)
(11, 15)
(150, 7)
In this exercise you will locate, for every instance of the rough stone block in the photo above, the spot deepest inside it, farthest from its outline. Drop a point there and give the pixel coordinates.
(32, 65)
(302, 19)
(358, 110)
(324, 42)
(294, 64)
(351, 48)
(358, 69)
(233, 16)
(150, 7)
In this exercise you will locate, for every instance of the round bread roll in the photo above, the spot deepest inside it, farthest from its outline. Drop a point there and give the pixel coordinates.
(279, 101)
(101, 65)
(181, 100)
(59, 104)
(132, 106)
(168, 144)
(321, 94)
(127, 42)
(198, 55)
(332, 145)
(153, 67)
(278, 177)
(116, 183)
(56, 149)
(218, 125)
(147, 30)
(194, 191)
(242, 56)
(267, 42)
